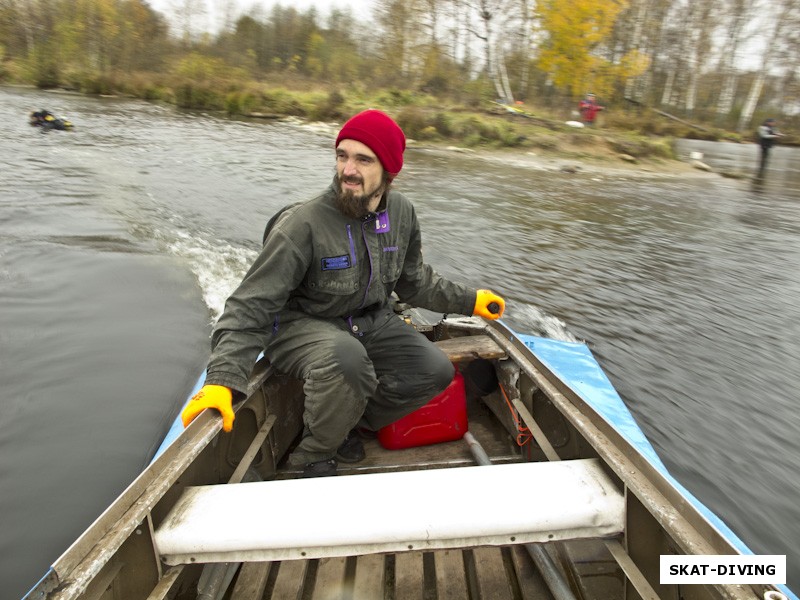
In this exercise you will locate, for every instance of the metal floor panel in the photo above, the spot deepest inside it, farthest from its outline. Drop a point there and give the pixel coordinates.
(497, 573)
(482, 424)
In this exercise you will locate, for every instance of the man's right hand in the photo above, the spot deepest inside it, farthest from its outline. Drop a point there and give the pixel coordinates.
(217, 397)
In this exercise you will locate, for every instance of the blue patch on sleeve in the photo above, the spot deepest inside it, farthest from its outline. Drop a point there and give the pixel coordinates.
(336, 262)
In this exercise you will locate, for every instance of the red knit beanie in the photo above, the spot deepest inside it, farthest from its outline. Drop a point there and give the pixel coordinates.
(384, 137)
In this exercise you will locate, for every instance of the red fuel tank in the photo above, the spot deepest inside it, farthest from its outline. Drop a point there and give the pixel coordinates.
(443, 419)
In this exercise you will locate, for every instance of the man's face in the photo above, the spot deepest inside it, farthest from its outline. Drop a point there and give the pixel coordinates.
(359, 177)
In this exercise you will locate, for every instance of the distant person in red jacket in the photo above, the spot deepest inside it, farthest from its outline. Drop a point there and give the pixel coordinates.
(589, 108)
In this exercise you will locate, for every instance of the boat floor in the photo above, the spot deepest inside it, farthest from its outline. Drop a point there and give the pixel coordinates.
(482, 424)
(496, 572)
(481, 573)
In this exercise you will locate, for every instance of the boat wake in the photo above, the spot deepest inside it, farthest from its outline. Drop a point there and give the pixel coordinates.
(218, 266)
(531, 319)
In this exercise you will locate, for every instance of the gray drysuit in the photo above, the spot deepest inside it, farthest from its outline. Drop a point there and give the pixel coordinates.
(316, 300)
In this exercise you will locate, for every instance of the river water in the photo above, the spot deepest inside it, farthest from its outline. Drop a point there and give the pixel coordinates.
(119, 242)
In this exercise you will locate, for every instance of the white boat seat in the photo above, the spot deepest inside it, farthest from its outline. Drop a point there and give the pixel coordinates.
(391, 512)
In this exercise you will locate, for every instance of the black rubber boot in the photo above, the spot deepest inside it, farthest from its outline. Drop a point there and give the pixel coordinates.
(351, 449)
(321, 468)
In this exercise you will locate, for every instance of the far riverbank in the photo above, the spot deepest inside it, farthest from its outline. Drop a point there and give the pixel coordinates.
(533, 140)
(541, 136)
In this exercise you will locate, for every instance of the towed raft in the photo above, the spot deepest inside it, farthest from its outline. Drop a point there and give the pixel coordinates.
(539, 485)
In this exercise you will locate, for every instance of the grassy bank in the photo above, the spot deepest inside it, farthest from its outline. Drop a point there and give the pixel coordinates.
(430, 120)
(623, 135)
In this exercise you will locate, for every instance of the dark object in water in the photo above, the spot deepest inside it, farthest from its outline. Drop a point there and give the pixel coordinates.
(47, 120)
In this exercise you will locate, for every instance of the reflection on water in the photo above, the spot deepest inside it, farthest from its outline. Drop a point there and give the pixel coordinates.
(685, 288)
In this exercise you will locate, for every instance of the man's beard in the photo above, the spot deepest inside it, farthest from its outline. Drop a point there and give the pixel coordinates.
(353, 204)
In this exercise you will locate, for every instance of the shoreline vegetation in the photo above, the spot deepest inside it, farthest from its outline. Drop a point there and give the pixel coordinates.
(497, 76)
(478, 76)
(625, 141)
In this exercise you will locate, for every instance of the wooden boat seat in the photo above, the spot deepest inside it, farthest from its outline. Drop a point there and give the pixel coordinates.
(391, 512)
(470, 347)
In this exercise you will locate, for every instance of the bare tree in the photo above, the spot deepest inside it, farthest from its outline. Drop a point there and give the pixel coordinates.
(226, 14)
(785, 18)
(526, 9)
(432, 10)
(190, 17)
(701, 29)
(641, 30)
(788, 88)
(676, 43)
(640, 9)
(401, 22)
(489, 14)
(739, 14)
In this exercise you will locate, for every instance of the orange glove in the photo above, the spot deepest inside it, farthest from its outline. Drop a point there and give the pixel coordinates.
(489, 305)
(211, 396)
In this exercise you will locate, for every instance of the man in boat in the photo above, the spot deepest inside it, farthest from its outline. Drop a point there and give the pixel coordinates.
(317, 302)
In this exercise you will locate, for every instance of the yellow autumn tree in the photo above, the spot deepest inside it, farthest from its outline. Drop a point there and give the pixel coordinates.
(576, 31)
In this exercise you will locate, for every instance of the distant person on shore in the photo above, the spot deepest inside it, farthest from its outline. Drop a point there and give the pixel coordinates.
(318, 302)
(589, 108)
(767, 134)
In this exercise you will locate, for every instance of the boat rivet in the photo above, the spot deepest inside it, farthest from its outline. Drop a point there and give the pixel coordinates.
(410, 547)
(302, 554)
(192, 559)
(513, 539)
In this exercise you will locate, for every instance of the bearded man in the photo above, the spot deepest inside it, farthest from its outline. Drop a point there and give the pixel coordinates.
(317, 302)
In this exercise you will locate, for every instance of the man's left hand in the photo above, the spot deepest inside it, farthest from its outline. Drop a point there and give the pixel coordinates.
(489, 305)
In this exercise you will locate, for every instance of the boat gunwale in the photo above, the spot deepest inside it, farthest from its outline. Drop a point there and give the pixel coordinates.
(672, 509)
(676, 513)
(75, 568)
